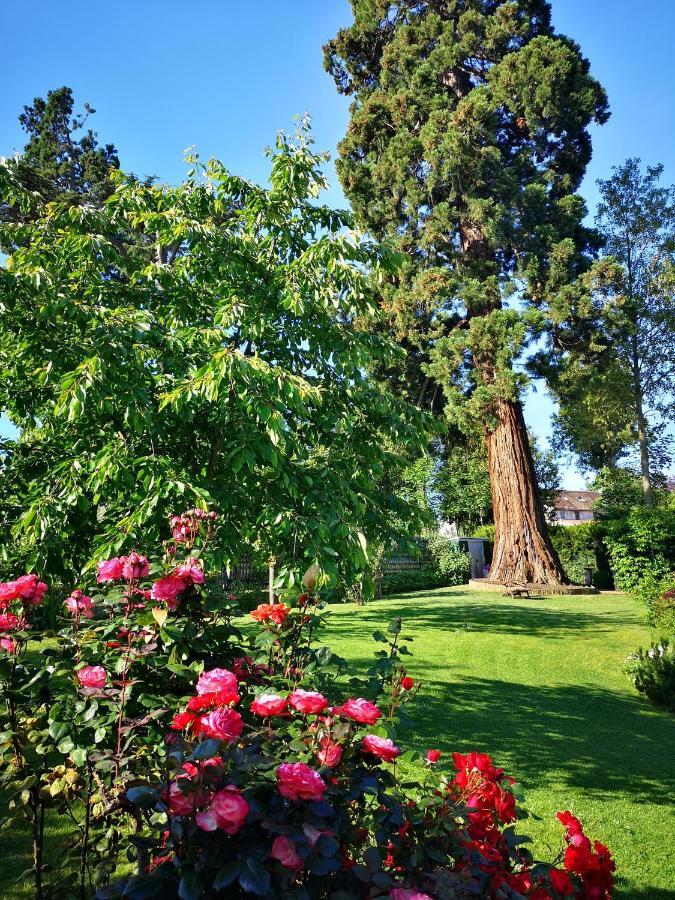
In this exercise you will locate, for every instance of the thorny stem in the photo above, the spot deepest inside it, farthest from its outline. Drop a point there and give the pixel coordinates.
(120, 716)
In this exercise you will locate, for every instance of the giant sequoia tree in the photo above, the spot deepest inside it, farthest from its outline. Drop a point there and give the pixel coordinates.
(467, 142)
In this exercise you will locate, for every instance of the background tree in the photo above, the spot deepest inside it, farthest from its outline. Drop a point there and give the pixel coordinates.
(630, 356)
(61, 158)
(467, 142)
(228, 370)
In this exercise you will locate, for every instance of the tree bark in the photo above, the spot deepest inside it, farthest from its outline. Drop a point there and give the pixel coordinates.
(641, 423)
(644, 450)
(523, 551)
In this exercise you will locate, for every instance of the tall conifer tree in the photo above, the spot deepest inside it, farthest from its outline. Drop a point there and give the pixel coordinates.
(467, 143)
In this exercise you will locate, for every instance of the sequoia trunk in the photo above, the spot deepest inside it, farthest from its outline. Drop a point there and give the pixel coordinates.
(522, 548)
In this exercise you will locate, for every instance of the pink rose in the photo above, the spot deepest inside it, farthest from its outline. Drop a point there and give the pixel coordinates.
(383, 748)
(9, 622)
(433, 756)
(184, 803)
(92, 676)
(269, 705)
(217, 680)
(8, 644)
(30, 589)
(190, 571)
(296, 781)
(313, 834)
(408, 894)
(134, 566)
(7, 593)
(168, 589)
(223, 723)
(110, 570)
(311, 702)
(329, 753)
(360, 710)
(79, 604)
(283, 849)
(227, 811)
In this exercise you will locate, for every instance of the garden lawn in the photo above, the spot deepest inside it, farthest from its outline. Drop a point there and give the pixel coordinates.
(538, 685)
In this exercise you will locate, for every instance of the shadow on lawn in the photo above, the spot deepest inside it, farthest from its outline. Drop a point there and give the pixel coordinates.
(507, 616)
(598, 740)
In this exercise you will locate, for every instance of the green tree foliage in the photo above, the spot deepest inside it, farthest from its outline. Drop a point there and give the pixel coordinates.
(616, 389)
(463, 486)
(61, 159)
(228, 369)
(467, 142)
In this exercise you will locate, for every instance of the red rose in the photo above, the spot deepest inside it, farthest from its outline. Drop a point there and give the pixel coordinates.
(283, 849)
(360, 710)
(183, 720)
(227, 811)
(269, 705)
(433, 756)
(407, 683)
(220, 681)
(223, 724)
(329, 753)
(92, 676)
(275, 612)
(383, 748)
(571, 823)
(296, 781)
(311, 702)
(561, 882)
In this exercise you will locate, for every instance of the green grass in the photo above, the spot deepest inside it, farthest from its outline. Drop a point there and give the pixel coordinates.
(538, 685)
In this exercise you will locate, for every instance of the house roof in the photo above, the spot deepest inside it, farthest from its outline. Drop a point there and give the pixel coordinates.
(576, 500)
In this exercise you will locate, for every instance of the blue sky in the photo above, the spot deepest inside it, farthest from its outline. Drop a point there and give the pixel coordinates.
(224, 77)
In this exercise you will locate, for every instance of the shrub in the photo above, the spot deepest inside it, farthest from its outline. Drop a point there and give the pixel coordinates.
(641, 546)
(579, 546)
(454, 564)
(485, 531)
(426, 579)
(653, 673)
(279, 793)
(658, 595)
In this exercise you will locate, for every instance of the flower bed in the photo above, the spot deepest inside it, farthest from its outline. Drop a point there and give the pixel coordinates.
(247, 763)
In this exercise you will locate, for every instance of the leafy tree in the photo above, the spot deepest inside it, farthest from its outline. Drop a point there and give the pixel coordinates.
(61, 158)
(229, 370)
(467, 142)
(594, 421)
(634, 326)
(463, 483)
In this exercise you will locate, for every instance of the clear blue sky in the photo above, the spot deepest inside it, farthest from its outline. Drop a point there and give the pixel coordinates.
(225, 76)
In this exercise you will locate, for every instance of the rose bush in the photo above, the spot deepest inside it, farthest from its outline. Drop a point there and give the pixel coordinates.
(231, 761)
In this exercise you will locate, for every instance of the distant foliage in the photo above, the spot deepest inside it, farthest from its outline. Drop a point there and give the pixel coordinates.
(579, 546)
(452, 562)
